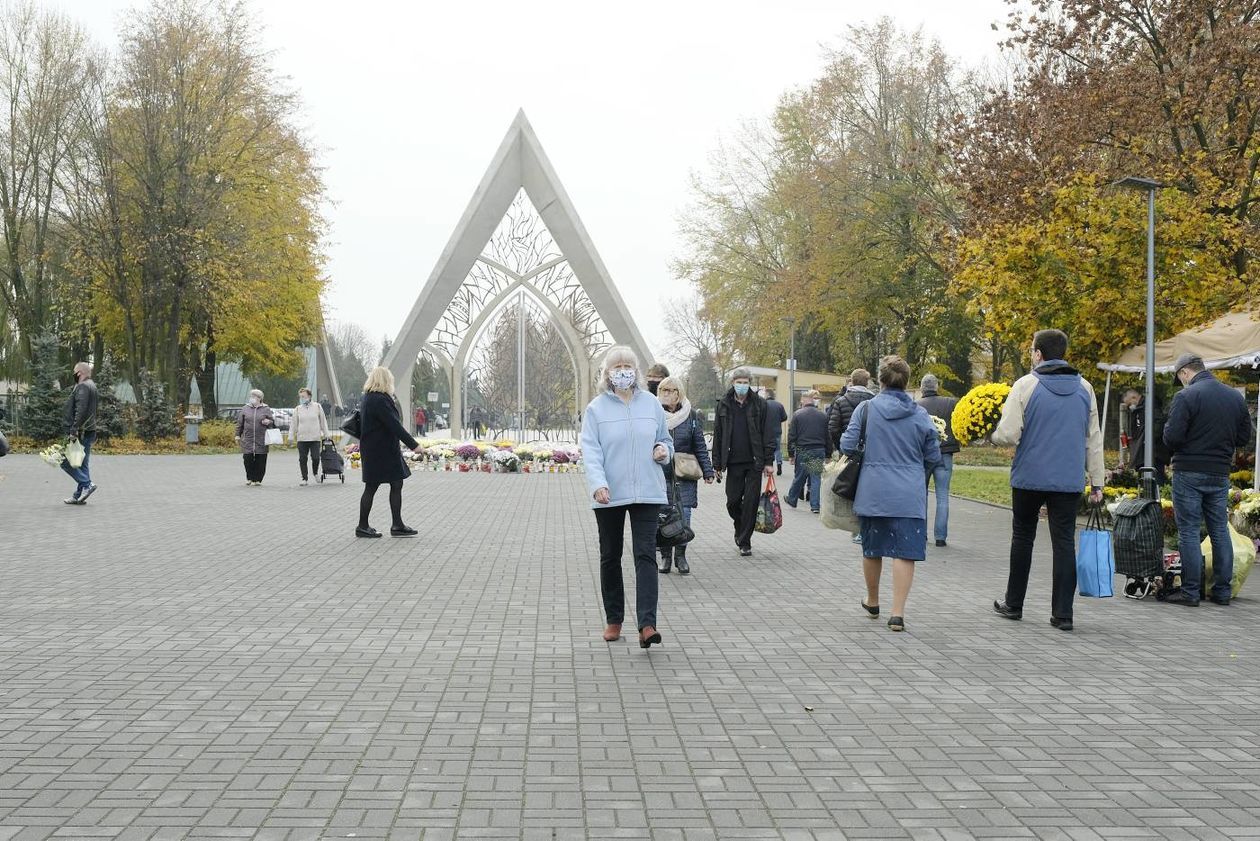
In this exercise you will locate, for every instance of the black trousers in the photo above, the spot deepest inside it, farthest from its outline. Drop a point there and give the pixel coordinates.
(743, 493)
(255, 466)
(1025, 508)
(308, 449)
(612, 532)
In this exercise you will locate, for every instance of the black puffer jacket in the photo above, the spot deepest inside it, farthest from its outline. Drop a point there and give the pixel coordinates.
(841, 411)
(1207, 422)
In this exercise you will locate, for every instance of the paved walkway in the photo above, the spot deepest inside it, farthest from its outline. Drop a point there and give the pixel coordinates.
(185, 657)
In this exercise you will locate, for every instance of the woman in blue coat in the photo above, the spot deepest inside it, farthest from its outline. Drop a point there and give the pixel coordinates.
(902, 447)
(684, 425)
(624, 444)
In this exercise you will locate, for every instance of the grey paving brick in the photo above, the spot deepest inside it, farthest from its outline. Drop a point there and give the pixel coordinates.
(188, 658)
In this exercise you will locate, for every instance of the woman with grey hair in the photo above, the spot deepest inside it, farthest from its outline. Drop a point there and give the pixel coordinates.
(624, 443)
(251, 433)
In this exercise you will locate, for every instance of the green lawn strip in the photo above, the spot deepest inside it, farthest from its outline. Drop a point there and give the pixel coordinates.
(982, 484)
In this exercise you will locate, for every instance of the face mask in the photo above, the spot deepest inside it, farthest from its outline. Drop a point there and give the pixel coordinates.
(653, 385)
(304, 400)
(741, 389)
(816, 403)
(623, 378)
(254, 401)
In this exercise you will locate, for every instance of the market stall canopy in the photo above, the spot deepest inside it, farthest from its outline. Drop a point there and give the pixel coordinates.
(1232, 341)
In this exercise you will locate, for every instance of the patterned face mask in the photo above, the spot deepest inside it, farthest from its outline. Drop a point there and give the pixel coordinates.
(623, 378)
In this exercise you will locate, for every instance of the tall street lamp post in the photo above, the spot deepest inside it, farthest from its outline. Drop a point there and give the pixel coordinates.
(791, 364)
(1149, 488)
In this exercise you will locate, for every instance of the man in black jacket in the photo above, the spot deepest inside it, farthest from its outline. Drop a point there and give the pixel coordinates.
(1207, 422)
(1137, 435)
(743, 447)
(80, 425)
(809, 446)
(841, 411)
(942, 407)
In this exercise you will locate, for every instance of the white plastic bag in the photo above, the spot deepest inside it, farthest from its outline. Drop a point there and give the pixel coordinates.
(273, 438)
(835, 511)
(75, 453)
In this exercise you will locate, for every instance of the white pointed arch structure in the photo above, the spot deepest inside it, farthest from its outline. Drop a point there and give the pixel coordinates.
(520, 239)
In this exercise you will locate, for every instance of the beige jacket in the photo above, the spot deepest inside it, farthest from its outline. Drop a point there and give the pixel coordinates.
(309, 423)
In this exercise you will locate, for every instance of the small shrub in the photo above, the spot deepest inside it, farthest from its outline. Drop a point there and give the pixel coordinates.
(157, 414)
(218, 433)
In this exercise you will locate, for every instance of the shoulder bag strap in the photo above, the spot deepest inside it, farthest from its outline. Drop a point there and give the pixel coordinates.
(862, 429)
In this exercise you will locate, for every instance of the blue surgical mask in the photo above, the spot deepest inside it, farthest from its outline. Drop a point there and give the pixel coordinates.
(304, 400)
(741, 389)
(623, 378)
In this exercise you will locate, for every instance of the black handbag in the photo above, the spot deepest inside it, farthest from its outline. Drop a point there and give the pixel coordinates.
(846, 484)
(353, 425)
(671, 528)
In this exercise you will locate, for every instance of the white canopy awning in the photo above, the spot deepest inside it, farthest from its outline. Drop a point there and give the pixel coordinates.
(1232, 341)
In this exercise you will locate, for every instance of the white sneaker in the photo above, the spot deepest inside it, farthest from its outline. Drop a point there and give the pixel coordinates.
(304, 483)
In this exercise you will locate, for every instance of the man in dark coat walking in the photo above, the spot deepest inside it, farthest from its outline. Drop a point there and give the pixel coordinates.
(940, 406)
(809, 446)
(80, 425)
(743, 447)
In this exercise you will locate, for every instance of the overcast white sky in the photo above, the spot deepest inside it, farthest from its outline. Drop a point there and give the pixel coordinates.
(408, 102)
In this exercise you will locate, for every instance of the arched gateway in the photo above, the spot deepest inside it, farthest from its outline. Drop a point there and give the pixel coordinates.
(519, 307)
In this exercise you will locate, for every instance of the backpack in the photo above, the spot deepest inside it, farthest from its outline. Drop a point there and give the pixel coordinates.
(1138, 538)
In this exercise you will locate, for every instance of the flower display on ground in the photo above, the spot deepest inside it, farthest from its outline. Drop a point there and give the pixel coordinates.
(468, 451)
(978, 412)
(1246, 517)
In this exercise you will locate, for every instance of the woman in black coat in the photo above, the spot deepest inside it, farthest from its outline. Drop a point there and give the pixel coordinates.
(684, 425)
(382, 462)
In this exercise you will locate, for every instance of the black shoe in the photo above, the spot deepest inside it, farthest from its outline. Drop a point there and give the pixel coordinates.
(1061, 624)
(403, 531)
(940, 543)
(778, 469)
(649, 641)
(745, 551)
(896, 623)
(359, 531)
(1222, 602)
(872, 612)
(789, 503)
(1008, 612)
(1182, 599)
(680, 561)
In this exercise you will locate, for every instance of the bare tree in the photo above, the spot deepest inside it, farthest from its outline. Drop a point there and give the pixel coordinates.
(41, 79)
(692, 332)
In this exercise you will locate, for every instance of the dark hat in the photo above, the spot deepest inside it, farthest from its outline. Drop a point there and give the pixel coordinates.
(1186, 359)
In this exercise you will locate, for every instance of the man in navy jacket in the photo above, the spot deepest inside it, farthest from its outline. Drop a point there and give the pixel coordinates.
(1207, 422)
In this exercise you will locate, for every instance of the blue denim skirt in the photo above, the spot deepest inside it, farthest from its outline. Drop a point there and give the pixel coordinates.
(894, 537)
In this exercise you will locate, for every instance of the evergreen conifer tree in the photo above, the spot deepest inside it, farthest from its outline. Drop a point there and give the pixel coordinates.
(43, 417)
(157, 415)
(109, 409)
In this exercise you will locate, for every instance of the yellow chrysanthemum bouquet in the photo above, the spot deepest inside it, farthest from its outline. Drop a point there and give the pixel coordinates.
(978, 412)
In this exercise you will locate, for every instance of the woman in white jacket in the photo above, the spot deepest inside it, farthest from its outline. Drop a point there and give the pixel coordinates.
(310, 428)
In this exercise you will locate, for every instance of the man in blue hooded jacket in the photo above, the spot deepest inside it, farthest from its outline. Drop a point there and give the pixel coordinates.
(1051, 418)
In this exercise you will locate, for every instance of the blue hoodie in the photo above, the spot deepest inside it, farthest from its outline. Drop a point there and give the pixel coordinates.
(617, 444)
(902, 447)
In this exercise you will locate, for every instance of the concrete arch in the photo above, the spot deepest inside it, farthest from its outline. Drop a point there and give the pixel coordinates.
(519, 164)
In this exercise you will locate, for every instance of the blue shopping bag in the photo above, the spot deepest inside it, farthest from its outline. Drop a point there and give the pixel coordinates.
(1095, 560)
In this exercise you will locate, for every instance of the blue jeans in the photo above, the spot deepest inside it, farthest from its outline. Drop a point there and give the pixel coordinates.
(1199, 497)
(808, 468)
(778, 449)
(80, 474)
(941, 475)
